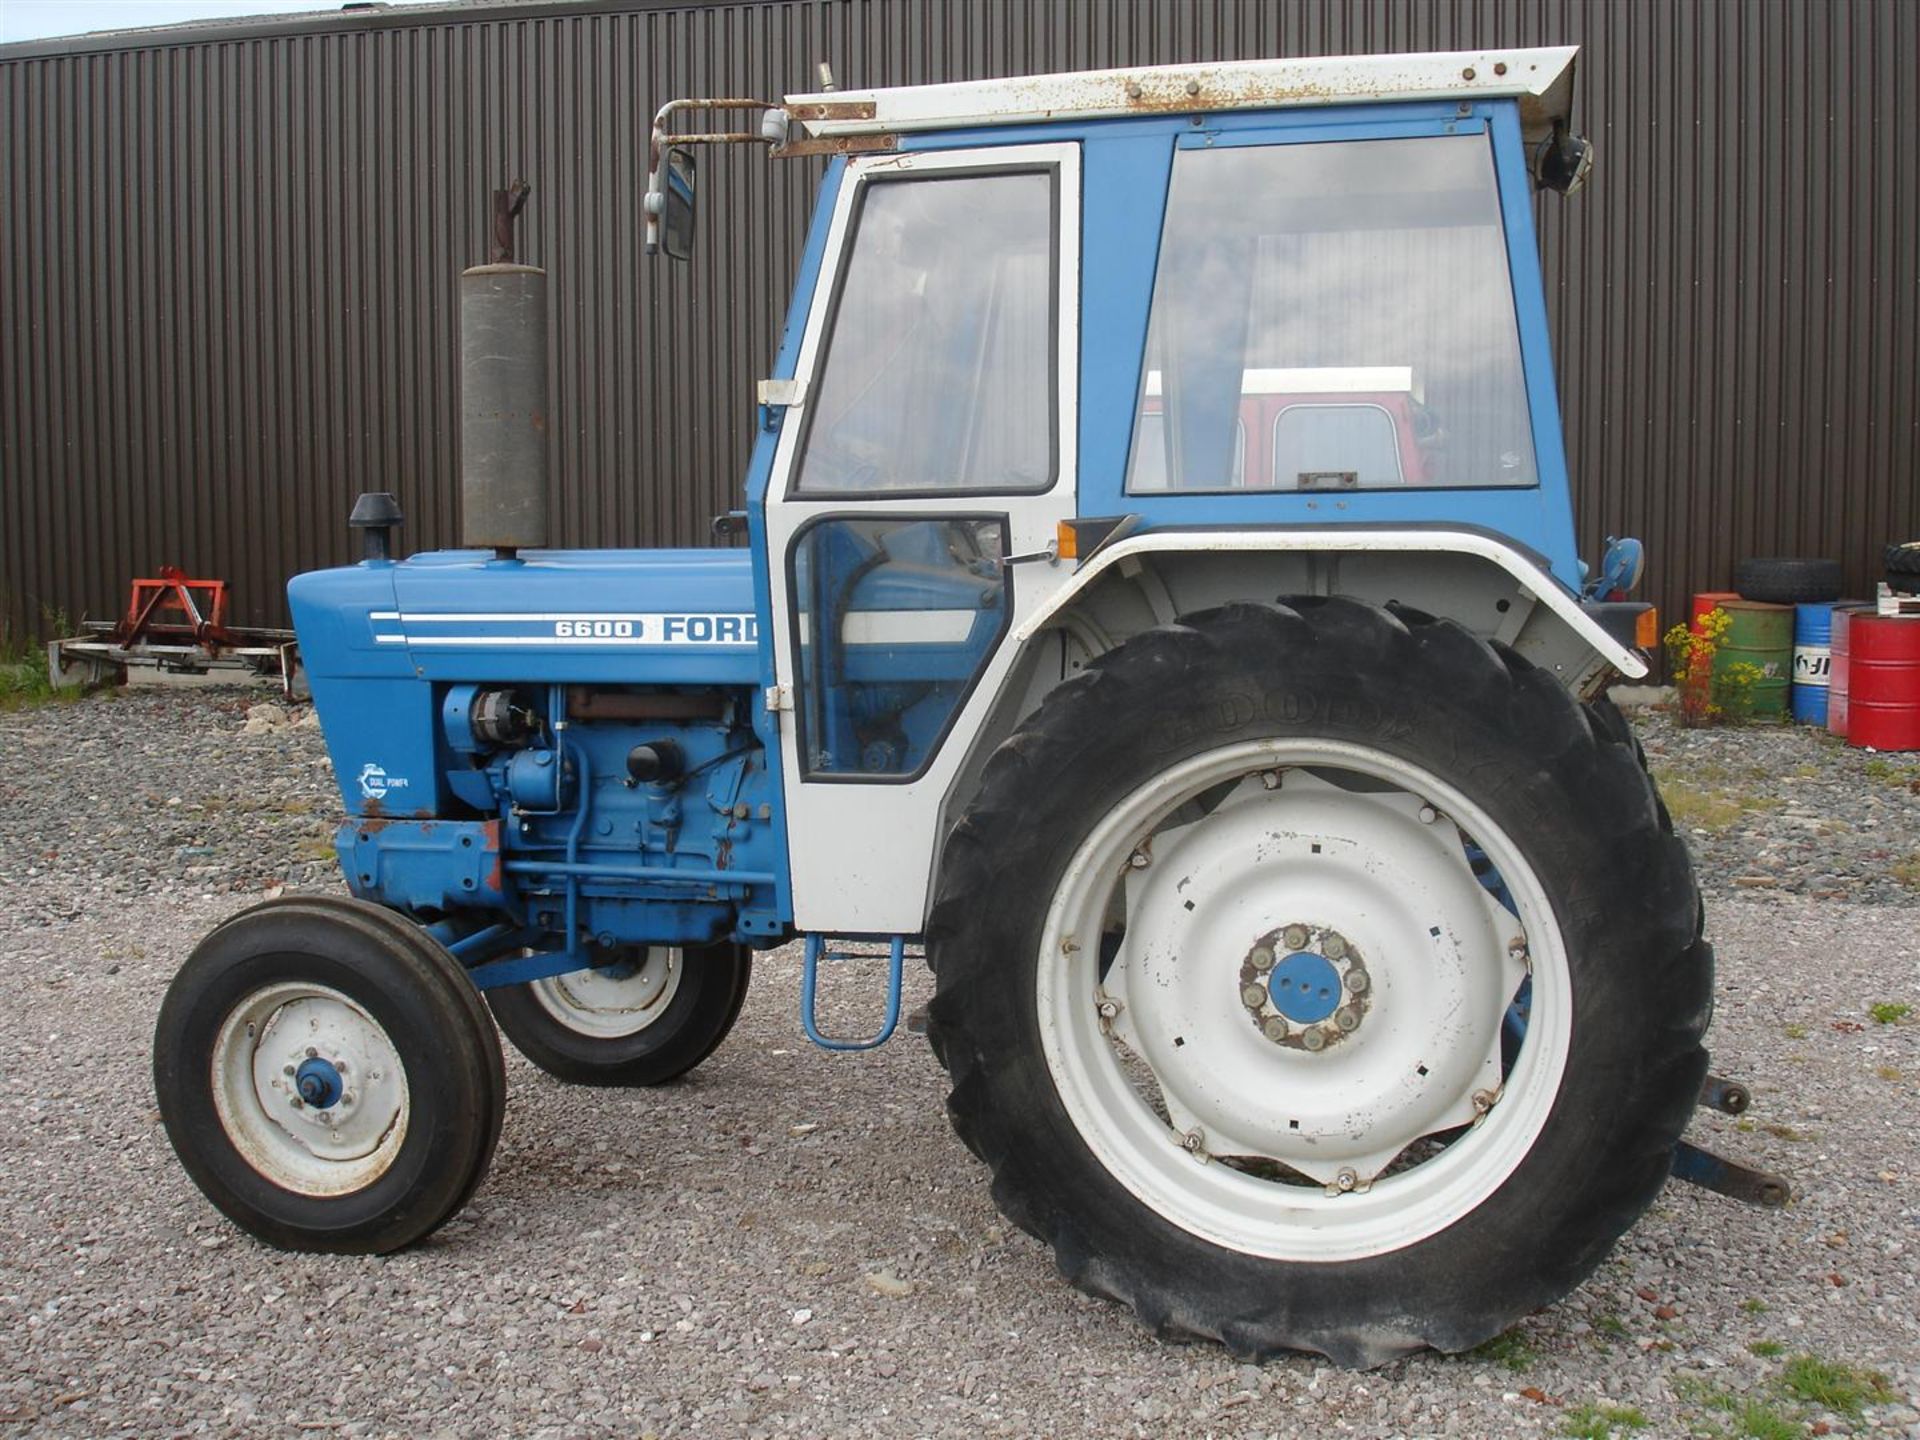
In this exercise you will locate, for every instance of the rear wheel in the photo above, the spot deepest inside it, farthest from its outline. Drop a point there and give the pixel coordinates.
(649, 1018)
(328, 1076)
(1342, 990)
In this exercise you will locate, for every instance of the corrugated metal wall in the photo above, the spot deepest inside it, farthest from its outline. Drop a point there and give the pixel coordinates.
(227, 263)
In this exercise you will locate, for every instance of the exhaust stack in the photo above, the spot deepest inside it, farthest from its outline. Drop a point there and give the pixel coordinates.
(503, 396)
(503, 408)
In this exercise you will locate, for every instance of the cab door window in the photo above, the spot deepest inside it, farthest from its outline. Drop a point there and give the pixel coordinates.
(938, 374)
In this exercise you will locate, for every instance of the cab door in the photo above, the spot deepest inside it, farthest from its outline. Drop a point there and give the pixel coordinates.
(923, 469)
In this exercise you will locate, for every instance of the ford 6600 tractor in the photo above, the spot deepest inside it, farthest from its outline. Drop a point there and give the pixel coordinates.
(1162, 610)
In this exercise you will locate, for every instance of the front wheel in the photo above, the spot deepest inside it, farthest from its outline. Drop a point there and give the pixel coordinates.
(644, 1020)
(1342, 988)
(328, 1076)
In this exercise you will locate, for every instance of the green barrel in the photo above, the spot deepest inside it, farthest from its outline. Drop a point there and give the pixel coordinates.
(1761, 636)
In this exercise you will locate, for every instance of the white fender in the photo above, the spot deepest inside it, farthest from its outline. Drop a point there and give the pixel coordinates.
(1525, 571)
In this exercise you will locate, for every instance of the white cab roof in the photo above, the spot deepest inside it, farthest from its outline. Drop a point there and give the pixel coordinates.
(1541, 79)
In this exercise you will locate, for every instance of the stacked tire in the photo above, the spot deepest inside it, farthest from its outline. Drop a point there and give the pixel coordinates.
(1902, 564)
(1778, 580)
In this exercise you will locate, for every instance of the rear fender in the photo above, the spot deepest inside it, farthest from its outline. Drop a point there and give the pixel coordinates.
(1487, 583)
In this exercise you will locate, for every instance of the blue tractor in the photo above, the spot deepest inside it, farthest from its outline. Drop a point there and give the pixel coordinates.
(1162, 610)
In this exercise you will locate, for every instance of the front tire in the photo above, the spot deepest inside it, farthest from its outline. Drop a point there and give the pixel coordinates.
(328, 1076)
(644, 1021)
(1245, 1037)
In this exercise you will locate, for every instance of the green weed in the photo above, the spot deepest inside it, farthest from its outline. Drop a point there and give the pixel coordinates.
(1698, 803)
(1888, 770)
(1512, 1350)
(23, 667)
(1757, 1420)
(1888, 1011)
(1600, 1422)
(1766, 1349)
(1844, 1389)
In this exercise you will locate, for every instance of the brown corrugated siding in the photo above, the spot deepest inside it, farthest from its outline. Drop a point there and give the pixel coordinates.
(227, 264)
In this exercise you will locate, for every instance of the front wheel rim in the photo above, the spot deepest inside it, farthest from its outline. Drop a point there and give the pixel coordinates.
(1214, 869)
(310, 1089)
(616, 1001)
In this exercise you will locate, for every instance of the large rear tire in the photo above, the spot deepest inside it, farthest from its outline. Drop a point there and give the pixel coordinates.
(328, 1076)
(645, 1021)
(1341, 988)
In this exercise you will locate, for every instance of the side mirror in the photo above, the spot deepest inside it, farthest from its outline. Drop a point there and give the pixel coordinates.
(670, 206)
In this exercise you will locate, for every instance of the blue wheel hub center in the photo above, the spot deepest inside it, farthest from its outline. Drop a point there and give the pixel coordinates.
(319, 1083)
(1305, 987)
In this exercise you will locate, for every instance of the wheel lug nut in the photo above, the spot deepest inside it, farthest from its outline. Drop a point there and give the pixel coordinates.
(1262, 957)
(1254, 995)
(1428, 814)
(1275, 1029)
(296, 1102)
(1334, 946)
(1347, 1018)
(1140, 859)
(312, 1054)
(1314, 1039)
(1296, 937)
(286, 1069)
(1358, 980)
(1346, 1180)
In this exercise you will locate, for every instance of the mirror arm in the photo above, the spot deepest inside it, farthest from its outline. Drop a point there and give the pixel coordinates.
(661, 139)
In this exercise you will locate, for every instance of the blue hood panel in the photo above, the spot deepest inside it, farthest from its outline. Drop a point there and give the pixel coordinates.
(683, 617)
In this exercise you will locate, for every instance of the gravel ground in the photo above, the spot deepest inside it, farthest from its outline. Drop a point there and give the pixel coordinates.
(794, 1242)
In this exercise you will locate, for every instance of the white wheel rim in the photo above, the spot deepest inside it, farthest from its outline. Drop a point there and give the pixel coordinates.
(616, 1001)
(319, 1149)
(1384, 871)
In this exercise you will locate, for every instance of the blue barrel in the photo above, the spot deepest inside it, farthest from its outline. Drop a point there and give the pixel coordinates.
(1812, 662)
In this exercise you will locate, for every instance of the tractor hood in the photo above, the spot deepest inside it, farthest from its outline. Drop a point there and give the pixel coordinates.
(661, 616)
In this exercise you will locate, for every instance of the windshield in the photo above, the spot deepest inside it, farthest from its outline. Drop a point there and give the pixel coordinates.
(1346, 307)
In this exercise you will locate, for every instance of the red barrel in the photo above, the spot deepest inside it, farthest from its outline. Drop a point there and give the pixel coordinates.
(1840, 670)
(1883, 690)
(1707, 601)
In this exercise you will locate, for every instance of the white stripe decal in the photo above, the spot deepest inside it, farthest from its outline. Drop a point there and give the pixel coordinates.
(907, 627)
(622, 629)
(449, 617)
(559, 640)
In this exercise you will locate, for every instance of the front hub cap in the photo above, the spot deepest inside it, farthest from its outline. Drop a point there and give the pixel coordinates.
(310, 1089)
(318, 1083)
